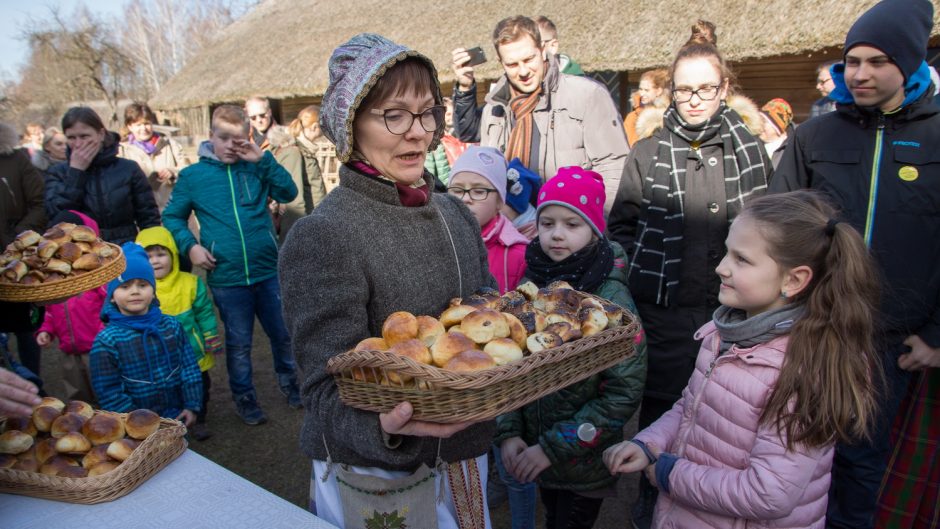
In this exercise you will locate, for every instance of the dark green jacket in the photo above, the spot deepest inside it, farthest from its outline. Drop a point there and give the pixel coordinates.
(607, 400)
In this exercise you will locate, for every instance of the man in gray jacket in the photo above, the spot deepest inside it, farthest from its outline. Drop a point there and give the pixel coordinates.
(536, 113)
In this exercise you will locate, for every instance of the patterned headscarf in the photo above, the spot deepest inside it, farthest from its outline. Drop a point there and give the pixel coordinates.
(355, 67)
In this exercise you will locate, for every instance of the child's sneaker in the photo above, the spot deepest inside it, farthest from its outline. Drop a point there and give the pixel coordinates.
(200, 431)
(248, 409)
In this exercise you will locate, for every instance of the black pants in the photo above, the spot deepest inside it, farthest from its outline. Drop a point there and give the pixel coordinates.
(568, 510)
(28, 351)
(206, 386)
(672, 350)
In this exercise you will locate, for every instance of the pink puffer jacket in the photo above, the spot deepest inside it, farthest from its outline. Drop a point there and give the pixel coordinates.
(734, 472)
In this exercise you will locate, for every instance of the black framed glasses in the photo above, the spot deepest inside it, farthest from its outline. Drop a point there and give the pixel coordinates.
(705, 93)
(476, 193)
(399, 121)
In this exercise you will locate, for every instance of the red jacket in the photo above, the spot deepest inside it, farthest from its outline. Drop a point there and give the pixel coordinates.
(506, 249)
(76, 322)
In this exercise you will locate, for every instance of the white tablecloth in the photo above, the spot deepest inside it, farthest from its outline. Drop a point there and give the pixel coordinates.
(190, 492)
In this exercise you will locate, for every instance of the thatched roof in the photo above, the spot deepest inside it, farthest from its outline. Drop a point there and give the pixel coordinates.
(281, 48)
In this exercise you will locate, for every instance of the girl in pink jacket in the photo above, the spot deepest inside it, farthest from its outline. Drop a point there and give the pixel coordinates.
(75, 323)
(478, 178)
(786, 368)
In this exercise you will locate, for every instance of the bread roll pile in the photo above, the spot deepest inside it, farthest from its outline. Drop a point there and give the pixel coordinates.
(487, 330)
(64, 250)
(72, 440)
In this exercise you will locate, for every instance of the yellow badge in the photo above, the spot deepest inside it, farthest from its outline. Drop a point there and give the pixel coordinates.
(908, 173)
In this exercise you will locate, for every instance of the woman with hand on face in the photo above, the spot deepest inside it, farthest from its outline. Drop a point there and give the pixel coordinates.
(159, 157)
(112, 190)
(381, 242)
(682, 188)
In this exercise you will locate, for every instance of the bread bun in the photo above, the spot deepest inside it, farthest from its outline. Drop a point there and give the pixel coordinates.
(44, 416)
(122, 449)
(67, 423)
(66, 227)
(457, 329)
(97, 455)
(53, 402)
(15, 270)
(103, 428)
(398, 327)
(45, 449)
(516, 330)
(593, 320)
(541, 341)
(47, 249)
(26, 461)
(84, 234)
(449, 346)
(73, 472)
(470, 361)
(591, 303)
(429, 329)
(369, 344)
(102, 468)
(7, 460)
(69, 252)
(58, 265)
(541, 320)
(15, 442)
(565, 316)
(56, 464)
(88, 261)
(139, 424)
(26, 239)
(83, 246)
(72, 443)
(103, 249)
(511, 301)
(485, 325)
(56, 235)
(503, 350)
(454, 315)
(558, 299)
(528, 320)
(614, 315)
(565, 331)
(528, 289)
(23, 424)
(80, 407)
(33, 277)
(413, 349)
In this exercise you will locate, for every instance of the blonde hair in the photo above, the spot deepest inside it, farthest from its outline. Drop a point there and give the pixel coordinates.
(307, 116)
(230, 114)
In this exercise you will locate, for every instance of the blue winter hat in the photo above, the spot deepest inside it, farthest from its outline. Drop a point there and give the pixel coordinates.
(521, 183)
(138, 267)
(900, 28)
(355, 67)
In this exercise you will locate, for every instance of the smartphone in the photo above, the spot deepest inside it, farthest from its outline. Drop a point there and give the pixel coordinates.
(476, 56)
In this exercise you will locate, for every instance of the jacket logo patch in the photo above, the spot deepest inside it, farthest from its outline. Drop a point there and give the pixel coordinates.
(908, 173)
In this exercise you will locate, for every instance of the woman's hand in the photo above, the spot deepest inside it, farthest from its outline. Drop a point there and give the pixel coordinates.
(199, 256)
(530, 463)
(398, 422)
(625, 457)
(248, 151)
(187, 417)
(43, 339)
(18, 396)
(651, 469)
(82, 157)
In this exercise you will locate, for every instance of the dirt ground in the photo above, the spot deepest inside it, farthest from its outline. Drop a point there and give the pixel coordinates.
(269, 455)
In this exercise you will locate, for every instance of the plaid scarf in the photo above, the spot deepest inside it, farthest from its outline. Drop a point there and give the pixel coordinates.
(520, 138)
(657, 253)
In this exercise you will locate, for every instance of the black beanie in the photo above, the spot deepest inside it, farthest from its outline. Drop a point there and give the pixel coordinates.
(900, 28)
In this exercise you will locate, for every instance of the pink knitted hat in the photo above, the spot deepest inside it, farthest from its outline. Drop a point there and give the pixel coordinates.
(579, 190)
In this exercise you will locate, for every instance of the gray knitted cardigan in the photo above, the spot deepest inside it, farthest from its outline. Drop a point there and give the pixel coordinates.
(358, 257)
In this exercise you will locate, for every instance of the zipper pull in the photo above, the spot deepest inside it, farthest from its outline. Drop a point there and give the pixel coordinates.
(711, 367)
(881, 121)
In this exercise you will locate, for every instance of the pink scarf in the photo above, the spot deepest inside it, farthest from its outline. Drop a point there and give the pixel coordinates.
(501, 227)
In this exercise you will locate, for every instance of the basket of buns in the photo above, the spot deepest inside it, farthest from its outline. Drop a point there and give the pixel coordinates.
(485, 355)
(71, 452)
(64, 261)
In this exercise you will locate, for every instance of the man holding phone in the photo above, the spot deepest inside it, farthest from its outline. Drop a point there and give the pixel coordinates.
(535, 113)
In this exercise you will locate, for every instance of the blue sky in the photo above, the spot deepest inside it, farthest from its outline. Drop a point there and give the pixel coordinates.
(14, 18)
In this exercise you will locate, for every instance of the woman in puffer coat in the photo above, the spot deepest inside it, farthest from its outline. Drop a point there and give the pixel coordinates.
(112, 190)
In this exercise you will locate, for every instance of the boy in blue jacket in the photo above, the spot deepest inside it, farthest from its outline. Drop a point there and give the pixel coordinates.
(228, 190)
(142, 358)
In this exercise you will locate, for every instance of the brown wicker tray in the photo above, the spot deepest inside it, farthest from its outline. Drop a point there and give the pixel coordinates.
(156, 452)
(67, 287)
(442, 396)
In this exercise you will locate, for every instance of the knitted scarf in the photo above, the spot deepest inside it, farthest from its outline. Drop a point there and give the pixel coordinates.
(735, 328)
(585, 270)
(412, 196)
(657, 254)
(520, 138)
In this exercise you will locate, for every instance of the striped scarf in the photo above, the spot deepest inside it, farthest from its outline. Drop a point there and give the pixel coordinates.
(520, 138)
(657, 253)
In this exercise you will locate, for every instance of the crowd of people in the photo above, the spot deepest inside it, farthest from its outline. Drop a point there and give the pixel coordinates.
(787, 367)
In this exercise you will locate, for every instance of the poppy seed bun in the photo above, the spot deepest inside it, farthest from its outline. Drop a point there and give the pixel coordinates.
(470, 361)
(593, 321)
(541, 341)
(565, 331)
(503, 350)
(449, 346)
(139, 424)
(103, 428)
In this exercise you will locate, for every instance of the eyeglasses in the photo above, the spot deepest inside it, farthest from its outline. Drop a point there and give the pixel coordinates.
(400, 121)
(257, 117)
(476, 193)
(705, 93)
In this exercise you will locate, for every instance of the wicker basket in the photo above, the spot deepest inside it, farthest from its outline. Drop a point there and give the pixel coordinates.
(442, 396)
(67, 287)
(156, 452)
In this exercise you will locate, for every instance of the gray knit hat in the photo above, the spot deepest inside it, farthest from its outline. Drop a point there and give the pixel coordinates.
(355, 67)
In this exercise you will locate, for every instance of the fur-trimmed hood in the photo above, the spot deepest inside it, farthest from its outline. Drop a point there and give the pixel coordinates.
(650, 119)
